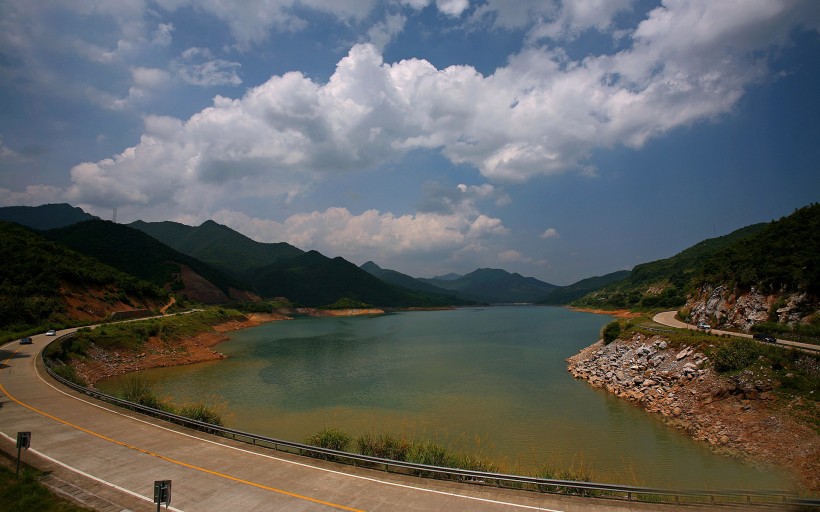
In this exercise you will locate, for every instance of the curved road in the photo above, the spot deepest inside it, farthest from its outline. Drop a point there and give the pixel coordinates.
(111, 454)
(668, 318)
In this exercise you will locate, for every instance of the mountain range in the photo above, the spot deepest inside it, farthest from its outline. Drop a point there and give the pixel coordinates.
(212, 263)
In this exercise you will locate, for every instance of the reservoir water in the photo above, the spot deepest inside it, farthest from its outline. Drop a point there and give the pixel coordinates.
(491, 381)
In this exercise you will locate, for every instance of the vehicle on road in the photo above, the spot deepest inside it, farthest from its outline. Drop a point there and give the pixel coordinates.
(51, 332)
(765, 337)
(25, 341)
(704, 326)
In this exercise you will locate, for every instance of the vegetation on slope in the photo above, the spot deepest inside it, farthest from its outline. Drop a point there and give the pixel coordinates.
(662, 283)
(784, 256)
(495, 286)
(218, 245)
(312, 279)
(136, 253)
(35, 269)
(47, 216)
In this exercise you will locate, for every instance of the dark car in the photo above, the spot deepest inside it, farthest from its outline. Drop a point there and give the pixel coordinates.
(765, 337)
(25, 341)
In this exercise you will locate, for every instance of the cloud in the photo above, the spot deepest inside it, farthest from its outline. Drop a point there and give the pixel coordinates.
(383, 32)
(146, 82)
(197, 66)
(452, 8)
(549, 233)
(373, 234)
(541, 114)
(33, 195)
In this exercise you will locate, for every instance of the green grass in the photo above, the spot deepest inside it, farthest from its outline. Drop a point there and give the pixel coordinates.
(133, 335)
(138, 390)
(28, 494)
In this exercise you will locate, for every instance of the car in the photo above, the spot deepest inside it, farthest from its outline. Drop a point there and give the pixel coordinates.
(51, 332)
(704, 326)
(25, 341)
(765, 337)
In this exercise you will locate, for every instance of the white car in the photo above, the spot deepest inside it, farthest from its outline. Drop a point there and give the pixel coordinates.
(51, 332)
(704, 326)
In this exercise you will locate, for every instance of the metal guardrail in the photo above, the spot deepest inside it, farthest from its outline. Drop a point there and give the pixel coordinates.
(544, 485)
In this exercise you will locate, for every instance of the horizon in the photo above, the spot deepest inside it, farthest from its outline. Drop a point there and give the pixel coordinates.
(556, 140)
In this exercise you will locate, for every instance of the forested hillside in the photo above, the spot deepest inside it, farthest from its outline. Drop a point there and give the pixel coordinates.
(663, 283)
(38, 275)
(140, 255)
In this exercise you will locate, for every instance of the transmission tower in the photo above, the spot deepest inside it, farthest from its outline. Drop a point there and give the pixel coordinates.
(115, 215)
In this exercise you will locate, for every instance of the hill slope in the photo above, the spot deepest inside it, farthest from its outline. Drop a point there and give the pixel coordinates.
(566, 294)
(663, 283)
(140, 255)
(44, 284)
(411, 283)
(313, 279)
(495, 286)
(218, 245)
(47, 216)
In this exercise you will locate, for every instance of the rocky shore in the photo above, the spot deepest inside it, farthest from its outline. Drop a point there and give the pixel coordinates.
(737, 416)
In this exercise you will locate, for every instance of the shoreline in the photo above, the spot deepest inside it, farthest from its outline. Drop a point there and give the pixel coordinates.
(736, 418)
(617, 313)
(102, 364)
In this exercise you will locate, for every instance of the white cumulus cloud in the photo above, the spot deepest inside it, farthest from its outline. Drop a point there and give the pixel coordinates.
(540, 114)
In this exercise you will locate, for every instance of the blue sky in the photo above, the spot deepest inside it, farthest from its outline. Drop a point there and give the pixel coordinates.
(560, 140)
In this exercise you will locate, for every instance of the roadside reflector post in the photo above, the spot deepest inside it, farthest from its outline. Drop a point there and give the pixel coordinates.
(23, 441)
(162, 493)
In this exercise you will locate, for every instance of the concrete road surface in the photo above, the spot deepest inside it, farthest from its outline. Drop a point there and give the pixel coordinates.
(668, 318)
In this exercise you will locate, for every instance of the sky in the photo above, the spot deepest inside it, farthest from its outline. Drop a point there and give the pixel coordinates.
(560, 140)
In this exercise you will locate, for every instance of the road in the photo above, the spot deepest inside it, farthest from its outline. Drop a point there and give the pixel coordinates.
(668, 318)
(114, 456)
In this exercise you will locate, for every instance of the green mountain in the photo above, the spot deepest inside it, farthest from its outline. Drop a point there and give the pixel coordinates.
(313, 279)
(411, 283)
(218, 245)
(47, 216)
(566, 294)
(664, 283)
(782, 257)
(495, 286)
(38, 276)
(140, 255)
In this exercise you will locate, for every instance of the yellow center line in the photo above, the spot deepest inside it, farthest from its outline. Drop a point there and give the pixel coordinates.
(168, 459)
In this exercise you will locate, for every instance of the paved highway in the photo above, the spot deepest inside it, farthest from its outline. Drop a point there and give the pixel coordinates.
(114, 457)
(668, 318)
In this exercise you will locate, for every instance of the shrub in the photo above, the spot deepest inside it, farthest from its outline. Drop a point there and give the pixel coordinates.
(611, 332)
(330, 438)
(201, 411)
(68, 372)
(735, 355)
(139, 390)
(385, 446)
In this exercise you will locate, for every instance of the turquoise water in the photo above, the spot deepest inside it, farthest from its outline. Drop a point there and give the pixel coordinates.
(491, 381)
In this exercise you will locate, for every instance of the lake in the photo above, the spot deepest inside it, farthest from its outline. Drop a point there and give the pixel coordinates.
(490, 381)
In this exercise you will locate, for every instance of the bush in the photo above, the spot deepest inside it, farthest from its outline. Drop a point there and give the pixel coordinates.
(68, 372)
(735, 355)
(611, 332)
(385, 446)
(330, 438)
(201, 411)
